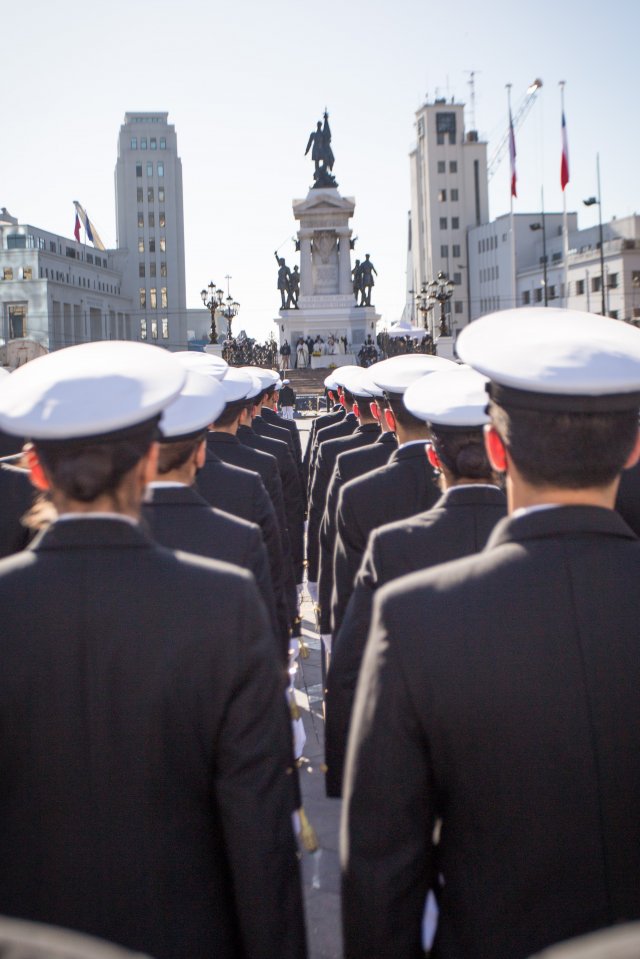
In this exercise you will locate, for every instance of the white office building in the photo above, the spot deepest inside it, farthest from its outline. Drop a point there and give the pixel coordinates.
(150, 226)
(449, 195)
(57, 292)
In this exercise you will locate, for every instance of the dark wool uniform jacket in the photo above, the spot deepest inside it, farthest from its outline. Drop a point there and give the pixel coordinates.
(145, 749)
(319, 423)
(459, 524)
(343, 427)
(16, 498)
(499, 695)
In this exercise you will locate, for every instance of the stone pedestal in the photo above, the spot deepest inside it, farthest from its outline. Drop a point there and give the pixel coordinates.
(326, 304)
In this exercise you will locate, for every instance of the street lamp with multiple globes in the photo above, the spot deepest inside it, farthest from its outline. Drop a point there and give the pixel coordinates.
(212, 300)
(423, 305)
(441, 290)
(231, 309)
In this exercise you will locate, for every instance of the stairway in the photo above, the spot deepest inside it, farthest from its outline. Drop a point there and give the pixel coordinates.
(306, 381)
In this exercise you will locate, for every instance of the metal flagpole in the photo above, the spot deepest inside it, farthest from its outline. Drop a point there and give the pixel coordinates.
(565, 226)
(511, 229)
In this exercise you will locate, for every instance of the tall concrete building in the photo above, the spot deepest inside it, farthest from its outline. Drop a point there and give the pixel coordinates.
(150, 227)
(449, 195)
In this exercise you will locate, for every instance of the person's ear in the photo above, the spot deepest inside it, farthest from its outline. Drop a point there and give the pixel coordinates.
(391, 420)
(634, 455)
(150, 464)
(375, 411)
(433, 457)
(201, 454)
(496, 449)
(355, 408)
(37, 475)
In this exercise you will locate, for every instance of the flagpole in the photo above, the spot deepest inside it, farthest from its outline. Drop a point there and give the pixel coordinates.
(513, 237)
(565, 225)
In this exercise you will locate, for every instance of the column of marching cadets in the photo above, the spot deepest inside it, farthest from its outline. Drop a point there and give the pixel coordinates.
(472, 557)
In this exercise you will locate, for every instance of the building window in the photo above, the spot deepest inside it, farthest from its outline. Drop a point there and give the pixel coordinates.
(442, 166)
(455, 249)
(152, 244)
(143, 143)
(163, 244)
(163, 268)
(17, 321)
(595, 284)
(140, 244)
(443, 223)
(141, 268)
(162, 221)
(154, 329)
(165, 328)
(143, 329)
(163, 143)
(153, 143)
(153, 298)
(440, 139)
(635, 278)
(160, 169)
(526, 298)
(150, 194)
(7, 273)
(143, 298)
(27, 273)
(160, 194)
(152, 268)
(454, 196)
(579, 287)
(442, 195)
(457, 306)
(134, 143)
(612, 281)
(152, 221)
(457, 278)
(163, 297)
(149, 168)
(140, 220)
(537, 293)
(552, 292)
(444, 250)
(138, 169)
(455, 222)
(140, 195)
(453, 166)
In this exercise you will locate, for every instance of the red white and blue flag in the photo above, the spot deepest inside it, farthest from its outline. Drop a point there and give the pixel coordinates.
(512, 156)
(564, 163)
(76, 229)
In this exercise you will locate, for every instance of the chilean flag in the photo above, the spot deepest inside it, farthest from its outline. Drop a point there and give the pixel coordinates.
(76, 229)
(564, 163)
(512, 156)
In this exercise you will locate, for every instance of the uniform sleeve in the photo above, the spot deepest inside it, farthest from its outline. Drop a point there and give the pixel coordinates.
(258, 563)
(346, 659)
(347, 556)
(254, 786)
(327, 541)
(389, 808)
(266, 518)
(317, 498)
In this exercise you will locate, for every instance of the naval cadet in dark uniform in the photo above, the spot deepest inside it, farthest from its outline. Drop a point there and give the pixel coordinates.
(406, 485)
(145, 744)
(494, 753)
(331, 416)
(453, 403)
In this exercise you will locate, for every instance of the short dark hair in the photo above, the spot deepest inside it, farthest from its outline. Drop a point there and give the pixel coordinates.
(462, 452)
(175, 454)
(396, 404)
(570, 450)
(231, 412)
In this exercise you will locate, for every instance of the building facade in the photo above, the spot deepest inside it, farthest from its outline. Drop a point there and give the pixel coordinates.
(150, 226)
(449, 196)
(57, 292)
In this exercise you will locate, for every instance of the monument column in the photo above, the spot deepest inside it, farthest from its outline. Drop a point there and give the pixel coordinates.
(306, 276)
(344, 283)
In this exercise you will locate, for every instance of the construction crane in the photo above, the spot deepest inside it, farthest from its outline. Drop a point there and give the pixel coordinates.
(523, 109)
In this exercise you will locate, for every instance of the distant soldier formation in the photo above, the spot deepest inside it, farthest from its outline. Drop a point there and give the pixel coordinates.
(468, 534)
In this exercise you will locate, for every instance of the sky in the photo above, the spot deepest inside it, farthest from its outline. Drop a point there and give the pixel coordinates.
(245, 83)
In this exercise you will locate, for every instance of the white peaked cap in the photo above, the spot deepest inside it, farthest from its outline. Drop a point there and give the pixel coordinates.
(267, 378)
(356, 380)
(3, 372)
(450, 398)
(239, 385)
(398, 372)
(331, 382)
(541, 358)
(201, 401)
(207, 363)
(89, 390)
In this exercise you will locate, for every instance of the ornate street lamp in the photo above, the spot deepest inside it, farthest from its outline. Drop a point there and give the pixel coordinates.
(441, 290)
(423, 305)
(230, 310)
(212, 300)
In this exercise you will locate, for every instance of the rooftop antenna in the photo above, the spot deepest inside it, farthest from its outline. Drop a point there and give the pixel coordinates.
(472, 97)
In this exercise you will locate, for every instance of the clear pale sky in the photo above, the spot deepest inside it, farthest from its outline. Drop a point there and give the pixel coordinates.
(245, 83)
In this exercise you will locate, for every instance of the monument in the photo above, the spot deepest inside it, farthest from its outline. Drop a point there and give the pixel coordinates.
(321, 299)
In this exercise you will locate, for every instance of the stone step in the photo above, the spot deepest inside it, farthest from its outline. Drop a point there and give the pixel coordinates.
(306, 381)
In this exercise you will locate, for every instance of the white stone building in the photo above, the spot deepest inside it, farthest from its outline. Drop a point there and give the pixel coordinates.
(150, 227)
(58, 292)
(449, 195)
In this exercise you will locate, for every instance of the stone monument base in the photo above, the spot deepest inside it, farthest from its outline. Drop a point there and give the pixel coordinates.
(328, 318)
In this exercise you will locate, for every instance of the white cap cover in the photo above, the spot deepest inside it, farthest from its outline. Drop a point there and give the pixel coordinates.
(201, 401)
(89, 390)
(398, 372)
(330, 382)
(208, 363)
(450, 398)
(267, 378)
(355, 379)
(555, 359)
(239, 385)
